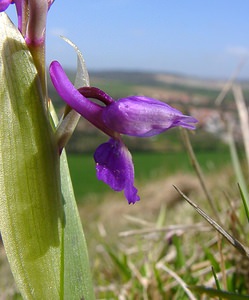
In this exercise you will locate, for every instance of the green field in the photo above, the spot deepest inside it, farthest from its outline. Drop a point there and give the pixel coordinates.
(148, 165)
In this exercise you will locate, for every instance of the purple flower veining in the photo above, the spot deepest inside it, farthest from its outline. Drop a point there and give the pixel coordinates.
(135, 116)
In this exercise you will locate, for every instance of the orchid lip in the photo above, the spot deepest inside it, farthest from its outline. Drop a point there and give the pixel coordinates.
(115, 167)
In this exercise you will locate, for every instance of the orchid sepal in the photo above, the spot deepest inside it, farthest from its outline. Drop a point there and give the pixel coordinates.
(144, 117)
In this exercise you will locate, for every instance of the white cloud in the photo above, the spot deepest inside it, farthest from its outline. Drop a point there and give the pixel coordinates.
(57, 31)
(239, 51)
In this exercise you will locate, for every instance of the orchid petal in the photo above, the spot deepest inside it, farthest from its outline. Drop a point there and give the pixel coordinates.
(89, 110)
(115, 167)
(4, 4)
(144, 117)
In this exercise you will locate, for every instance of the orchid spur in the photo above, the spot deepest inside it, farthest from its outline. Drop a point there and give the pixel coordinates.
(135, 116)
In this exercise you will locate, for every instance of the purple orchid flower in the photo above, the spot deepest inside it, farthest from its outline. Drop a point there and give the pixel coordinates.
(31, 18)
(134, 116)
(4, 4)
(143, 117)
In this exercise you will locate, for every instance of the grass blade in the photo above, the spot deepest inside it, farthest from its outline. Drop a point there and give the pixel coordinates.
(199, 173)
(244, 202)
(217, 293)
(178, 279)
(241, 248)
(216, 279)
(237, 166)
(243, 116)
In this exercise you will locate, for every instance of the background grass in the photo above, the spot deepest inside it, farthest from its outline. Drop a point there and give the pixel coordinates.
(148, 165)
(136, 251)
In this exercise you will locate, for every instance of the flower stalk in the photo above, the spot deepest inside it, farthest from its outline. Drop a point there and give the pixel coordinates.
(39, 221)
(31, 210)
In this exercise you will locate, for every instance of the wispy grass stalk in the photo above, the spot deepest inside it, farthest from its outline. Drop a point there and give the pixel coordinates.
(199, 172)
(227, 86)
(216, 279)
(237, 167)
(243, 116)
(171, 228)
(238, 245)
(222, 263)
(178, 279)
(244, 124)
(217, 293)
(245, 203)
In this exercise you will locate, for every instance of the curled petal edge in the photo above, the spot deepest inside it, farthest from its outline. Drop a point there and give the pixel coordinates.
(114, 166)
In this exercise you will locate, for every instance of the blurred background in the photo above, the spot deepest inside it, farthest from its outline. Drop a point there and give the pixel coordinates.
(189, 38)
(185, 53)
(180, 53)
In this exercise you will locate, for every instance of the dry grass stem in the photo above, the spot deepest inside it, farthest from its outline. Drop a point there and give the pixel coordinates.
(227, 86)
(138, 221)
(199, 173)
(243, 116)
(241, 248)
(177, 278)
(220, 275)
(222, 263)
(171, 228)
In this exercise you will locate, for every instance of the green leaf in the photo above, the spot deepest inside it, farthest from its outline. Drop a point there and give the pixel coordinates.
(77, 274)
(211, 257)
(217, 293)
(77, 279)
(180, 261)
(238, 170)
(244, 202)
(30, 199)
(216, 280)
(121, 262)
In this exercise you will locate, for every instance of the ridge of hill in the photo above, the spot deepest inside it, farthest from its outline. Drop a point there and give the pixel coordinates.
(155, 78)
(193, 96)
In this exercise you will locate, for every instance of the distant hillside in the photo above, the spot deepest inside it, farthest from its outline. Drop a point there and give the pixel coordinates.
(113, 80)
(159, 78)
(191, 95)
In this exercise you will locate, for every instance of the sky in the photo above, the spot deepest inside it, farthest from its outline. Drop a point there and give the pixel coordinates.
(190, 37)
